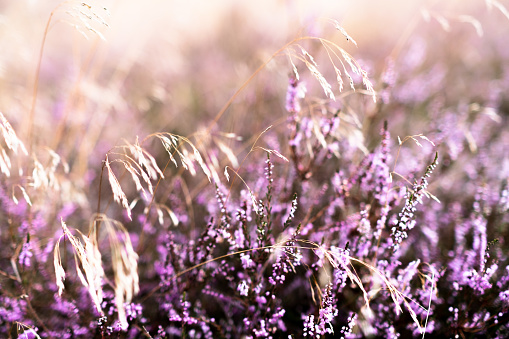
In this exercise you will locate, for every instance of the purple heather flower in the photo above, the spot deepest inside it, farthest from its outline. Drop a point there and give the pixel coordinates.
(246, 260)
(407, 274)
(347, 330)
(327, 313)
(28, 334)
(504, 280)
(293, 208)
(269, 170)
(504, 296)
(406, 220)
(12, 309)
(309, 326)
(25, 255)
(262, 331)
(364, 227)
(296, 90)
(243, 288)
(261, 300)
(133, 311)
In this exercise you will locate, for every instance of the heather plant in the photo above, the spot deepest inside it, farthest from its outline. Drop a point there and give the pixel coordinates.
(337, 191)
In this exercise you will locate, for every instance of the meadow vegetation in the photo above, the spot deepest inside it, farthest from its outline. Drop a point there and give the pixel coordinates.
(239, 181)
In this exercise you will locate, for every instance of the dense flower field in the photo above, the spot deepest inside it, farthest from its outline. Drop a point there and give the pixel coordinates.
(254, 171)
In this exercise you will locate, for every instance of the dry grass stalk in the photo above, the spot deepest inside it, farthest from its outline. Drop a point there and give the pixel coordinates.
(124, 262)
(174, 144)
(43, 178)
(85, 16)
(499, 6)
(118, 194)
(336, 54)
(143, 167)
(5, 163)
(145, 160)
(12, 142)
(28, 331)
(11, 139)
(23, 192)
(87, 257)
(89, 267)
(46, 177)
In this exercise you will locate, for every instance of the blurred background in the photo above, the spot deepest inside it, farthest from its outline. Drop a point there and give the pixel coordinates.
(114, 70)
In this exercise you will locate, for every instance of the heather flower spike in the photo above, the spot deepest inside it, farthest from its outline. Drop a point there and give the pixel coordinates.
(295, 91)
(406, 220)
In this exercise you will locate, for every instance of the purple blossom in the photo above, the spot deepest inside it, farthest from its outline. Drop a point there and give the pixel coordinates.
(25, 255)
(28, 334)
(326, 316)
(243, 288)
(346, 331)
(296, 90)
(406, 220)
